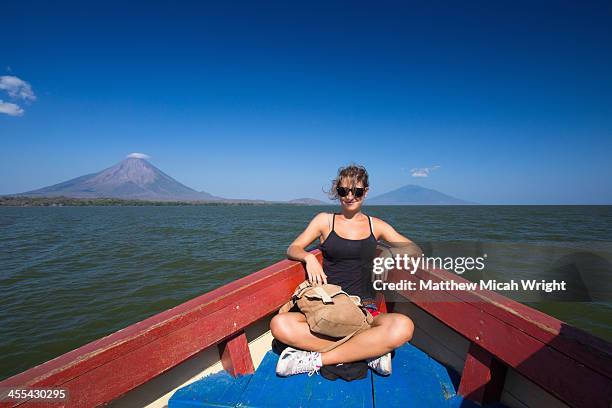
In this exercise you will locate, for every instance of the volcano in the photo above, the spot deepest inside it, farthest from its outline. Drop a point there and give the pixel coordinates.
(133, 178)
(415, 195)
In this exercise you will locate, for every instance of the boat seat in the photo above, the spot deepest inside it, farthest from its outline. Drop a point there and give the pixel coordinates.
(417, 380)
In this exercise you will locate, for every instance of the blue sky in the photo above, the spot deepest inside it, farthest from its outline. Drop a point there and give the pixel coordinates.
(511, 101)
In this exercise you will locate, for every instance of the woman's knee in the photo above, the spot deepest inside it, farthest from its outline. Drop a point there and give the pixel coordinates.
(278, 326)
(401, 329)
(282, 327)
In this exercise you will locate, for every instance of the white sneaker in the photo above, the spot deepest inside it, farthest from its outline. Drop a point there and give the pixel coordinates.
(292, 361)
(382, 364)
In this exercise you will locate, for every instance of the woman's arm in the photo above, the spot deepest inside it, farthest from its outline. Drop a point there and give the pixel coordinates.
(296, 249)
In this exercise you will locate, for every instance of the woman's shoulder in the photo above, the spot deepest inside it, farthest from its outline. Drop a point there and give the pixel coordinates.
(377, 221)
(322, 218)
(379, 224)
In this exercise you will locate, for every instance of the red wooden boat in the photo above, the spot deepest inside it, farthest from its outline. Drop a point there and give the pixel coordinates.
(503, 352)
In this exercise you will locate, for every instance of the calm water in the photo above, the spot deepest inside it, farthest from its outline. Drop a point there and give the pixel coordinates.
(70, 275)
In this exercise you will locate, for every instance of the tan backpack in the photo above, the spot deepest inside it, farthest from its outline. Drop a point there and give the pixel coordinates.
(330, 311)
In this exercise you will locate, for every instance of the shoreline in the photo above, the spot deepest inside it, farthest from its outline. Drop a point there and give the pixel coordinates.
(118, 202)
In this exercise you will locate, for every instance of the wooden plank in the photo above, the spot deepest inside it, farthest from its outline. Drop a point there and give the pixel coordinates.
(216, 390)
(266, 389)
(416, 381)
(483, 376)
(435, 338)
(326, 393)
(236, 356)
(102, 370)
(519, 391)
(560, 374)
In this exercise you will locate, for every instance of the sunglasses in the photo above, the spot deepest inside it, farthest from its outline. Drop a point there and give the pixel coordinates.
(357, 191)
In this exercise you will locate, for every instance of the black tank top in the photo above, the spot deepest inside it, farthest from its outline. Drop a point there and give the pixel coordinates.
(348, 262)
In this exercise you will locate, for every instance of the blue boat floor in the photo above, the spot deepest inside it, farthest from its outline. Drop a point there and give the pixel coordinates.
(417, 380)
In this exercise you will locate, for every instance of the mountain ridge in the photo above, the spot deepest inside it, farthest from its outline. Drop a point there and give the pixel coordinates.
(411, 194)
(131, 178)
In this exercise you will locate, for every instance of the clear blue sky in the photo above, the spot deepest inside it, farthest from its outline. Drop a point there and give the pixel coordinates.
(513, 101)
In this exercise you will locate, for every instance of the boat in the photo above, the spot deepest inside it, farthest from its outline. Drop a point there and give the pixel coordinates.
(470, 348)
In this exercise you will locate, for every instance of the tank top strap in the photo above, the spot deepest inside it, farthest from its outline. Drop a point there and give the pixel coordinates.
(371, 224)
(333, 221)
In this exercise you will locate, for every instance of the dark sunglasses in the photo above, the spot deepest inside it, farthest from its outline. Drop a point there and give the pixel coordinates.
(357, 191)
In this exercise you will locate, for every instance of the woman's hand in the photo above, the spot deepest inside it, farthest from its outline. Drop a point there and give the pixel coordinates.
(315, 270)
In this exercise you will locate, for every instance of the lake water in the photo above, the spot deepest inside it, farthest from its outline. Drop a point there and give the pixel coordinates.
(70, 275)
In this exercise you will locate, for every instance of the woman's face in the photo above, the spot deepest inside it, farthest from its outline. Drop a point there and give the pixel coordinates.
(351, 202)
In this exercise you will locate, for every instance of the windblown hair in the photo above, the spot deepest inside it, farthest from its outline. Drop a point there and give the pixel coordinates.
(353, 173)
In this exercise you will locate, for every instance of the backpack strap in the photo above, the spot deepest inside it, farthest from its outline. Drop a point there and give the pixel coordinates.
(324, 296)
(287, 306)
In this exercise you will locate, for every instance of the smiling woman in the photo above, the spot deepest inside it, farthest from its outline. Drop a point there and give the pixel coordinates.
(351, 179)
(348, 242)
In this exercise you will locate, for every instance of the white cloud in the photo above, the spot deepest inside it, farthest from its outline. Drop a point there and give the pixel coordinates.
(17, 88)
(423, 171)
(138, 156)
(10, 109)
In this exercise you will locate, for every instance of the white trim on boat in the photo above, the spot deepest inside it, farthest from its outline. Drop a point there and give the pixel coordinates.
(259, 338)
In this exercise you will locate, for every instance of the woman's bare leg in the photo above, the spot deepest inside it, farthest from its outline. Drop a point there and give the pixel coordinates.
(388, 332)
(291, 328)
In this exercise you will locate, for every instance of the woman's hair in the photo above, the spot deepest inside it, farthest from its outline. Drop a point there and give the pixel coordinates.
(353, 173)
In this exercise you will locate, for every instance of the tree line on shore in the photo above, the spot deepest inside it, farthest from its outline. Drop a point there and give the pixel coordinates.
(20, 201)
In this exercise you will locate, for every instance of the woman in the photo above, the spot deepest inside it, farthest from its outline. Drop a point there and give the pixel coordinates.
(348, 241)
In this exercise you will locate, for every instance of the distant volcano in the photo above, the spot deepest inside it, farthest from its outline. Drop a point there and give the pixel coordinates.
(415, 195)
(133, 178)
